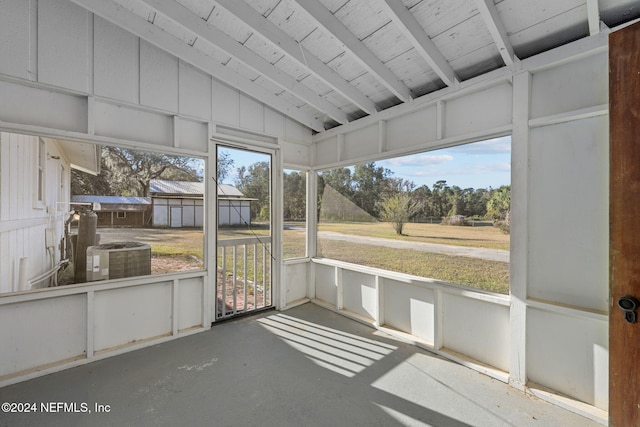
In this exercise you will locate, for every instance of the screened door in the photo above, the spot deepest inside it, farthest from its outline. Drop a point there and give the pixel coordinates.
(244, 243)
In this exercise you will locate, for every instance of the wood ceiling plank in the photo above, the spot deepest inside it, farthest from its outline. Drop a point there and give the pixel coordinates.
(290, 47)
(492, 19)
(154, 35)
(186, 18)
(351, 43)
(414, 32)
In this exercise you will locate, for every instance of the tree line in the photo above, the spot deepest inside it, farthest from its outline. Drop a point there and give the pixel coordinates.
(125, 172)
(371, 191)
(363, 192)
(369, 186)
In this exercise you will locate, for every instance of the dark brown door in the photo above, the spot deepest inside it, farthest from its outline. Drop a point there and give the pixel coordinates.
(624, 214)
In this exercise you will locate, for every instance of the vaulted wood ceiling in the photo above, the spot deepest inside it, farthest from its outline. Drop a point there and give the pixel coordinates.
(329, 62)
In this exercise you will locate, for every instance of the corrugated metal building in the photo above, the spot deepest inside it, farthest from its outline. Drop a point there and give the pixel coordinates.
(179, 204)
(233, 207)
(117, 211)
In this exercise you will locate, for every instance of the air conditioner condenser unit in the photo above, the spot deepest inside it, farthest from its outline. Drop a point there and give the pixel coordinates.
(118, 260)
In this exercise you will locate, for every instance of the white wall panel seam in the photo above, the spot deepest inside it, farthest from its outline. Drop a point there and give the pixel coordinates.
(90, 295)
(520, 183)
(33, 40)
(91, 60)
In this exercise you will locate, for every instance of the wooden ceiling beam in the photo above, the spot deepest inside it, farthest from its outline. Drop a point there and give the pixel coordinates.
(413, 31)
(489, 13)
(593, 14)
(165, 41)
(287, 45)
(183, 16)
(352, 44)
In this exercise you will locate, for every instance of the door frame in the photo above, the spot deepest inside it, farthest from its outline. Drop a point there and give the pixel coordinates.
(276, 200)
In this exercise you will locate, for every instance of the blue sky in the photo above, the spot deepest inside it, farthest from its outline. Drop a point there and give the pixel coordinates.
(241, 158)
(477, 165)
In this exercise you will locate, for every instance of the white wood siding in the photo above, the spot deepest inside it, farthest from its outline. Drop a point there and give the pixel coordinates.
(23, 220)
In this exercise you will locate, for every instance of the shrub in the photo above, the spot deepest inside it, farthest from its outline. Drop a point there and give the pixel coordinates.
(455, 220)
(398, 209)
(504, 226)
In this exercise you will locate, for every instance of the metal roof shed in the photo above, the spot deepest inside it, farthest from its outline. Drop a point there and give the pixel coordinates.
(177, 204)
(117, 211)
(233, 208)
(180, 204)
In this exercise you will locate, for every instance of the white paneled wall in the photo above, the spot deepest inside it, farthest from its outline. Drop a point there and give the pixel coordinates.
(116, 121)
(477, 328)
(569, 239)
(579, 367)
(360, 296)
(117, 327)
(53, 330)
(570, 86)
(471, 327)
(158, 78)
(474, 112)
(296, 278)
(75, 75)
(410, 307)
(189, 133)
(412, 129)
(555, 106)
(115, 61)
(43, 108)
(567, 252)
(13, 25)
(478, 111)
(61, 54)
(71, 75)
(76, 324)
(192, 84)
(326, 284)
(190, 295)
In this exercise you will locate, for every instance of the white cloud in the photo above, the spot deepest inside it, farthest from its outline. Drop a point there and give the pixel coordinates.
(420, 160)
(468, 169)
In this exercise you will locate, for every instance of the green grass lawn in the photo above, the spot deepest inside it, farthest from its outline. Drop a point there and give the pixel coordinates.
(477, 273)
(163, 241)
(251, 262)
(487, 275)
(255, 267)
(477, 237)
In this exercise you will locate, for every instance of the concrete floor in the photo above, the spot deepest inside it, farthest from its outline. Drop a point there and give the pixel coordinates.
(304, 367)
